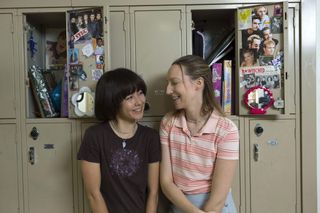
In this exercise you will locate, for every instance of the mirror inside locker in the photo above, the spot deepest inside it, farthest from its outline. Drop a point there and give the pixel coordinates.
(261, 32)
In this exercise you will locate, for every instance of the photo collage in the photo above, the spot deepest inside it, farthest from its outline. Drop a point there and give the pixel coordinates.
(85, 47)
(261, 48)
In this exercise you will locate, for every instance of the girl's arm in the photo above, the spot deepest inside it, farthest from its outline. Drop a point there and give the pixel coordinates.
(221, 183)
(92, 180)
(172, 192)
(225, 166)
(153, 187)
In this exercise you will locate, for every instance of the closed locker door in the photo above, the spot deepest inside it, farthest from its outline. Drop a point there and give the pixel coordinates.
(237, 179)
(9, 201)
(49, 170)
(158, 37)
(273, 185)
(152, 124)
(119, 37)
(7, 70)
(86, 205)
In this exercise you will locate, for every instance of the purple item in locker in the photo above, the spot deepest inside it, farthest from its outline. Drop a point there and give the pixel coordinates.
(41, 93)
(64, 93)
(217, 81)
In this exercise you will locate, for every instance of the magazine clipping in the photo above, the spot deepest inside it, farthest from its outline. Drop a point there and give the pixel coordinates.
(264, 76)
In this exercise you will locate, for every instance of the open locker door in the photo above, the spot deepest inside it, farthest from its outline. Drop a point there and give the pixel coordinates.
(262, 58)
(86, 54)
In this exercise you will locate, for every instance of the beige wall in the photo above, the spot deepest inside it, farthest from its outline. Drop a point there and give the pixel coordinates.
(318, 103)
(308, 108)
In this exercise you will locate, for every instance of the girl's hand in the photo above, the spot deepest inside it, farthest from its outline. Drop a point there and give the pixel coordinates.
(200, 211)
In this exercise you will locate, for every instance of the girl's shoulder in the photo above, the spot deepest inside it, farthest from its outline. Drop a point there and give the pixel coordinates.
(147, 129)
(224, 122)
(169, 119)
(97, 128)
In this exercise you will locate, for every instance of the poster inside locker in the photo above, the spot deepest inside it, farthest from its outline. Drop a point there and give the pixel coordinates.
(261, 35)
(85, 58)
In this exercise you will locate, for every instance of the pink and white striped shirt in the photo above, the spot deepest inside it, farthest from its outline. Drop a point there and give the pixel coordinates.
(193, 157)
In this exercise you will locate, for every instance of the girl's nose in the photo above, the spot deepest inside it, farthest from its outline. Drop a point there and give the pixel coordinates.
(139, 99)
(168, 89)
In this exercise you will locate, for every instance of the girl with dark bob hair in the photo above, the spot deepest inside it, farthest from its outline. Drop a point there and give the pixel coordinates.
(112, 88)
(120, 157)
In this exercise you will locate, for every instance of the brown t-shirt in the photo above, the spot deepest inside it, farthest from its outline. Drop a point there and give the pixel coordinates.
(124, 171)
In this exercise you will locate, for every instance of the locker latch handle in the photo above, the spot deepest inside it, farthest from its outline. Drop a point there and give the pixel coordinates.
(256, 149)
(34, 133)
(258, 130)
(31, 155)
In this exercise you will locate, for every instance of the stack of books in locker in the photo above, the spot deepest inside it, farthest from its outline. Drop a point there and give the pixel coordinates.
(222, 84)
(222, 72)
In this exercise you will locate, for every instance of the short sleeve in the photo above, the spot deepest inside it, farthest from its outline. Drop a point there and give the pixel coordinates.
(89, 149)
(165, 126)
(228, 145)
(154, 148)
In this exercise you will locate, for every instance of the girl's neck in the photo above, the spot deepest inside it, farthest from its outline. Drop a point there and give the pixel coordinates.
(196, 117)
(123, 129)
(193, 113)
(195, 124)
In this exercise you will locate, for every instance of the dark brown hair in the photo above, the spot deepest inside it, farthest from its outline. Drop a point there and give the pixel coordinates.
(112, 88)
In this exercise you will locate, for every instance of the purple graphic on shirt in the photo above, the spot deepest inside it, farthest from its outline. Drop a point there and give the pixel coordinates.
(124, 162)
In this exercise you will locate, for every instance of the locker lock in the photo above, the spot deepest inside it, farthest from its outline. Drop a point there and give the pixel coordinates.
(34, 133)
(258, 130)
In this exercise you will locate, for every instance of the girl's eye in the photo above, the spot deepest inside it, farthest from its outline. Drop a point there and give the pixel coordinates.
(128, 97)
(174, 83)
(140, 92)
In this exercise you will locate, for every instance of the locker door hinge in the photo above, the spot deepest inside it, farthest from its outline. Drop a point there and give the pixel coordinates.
(124, 23)
(26, 27)
(12, 28)
(16, 139)
(180, 22)
(105, 19)
(27, 81)
(294, 22)
(14, 105)
(286, 75)
(16, 135)
(285, 16)
(12, 24)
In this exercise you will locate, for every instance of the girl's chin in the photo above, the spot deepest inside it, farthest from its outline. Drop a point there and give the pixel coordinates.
(137, 116)
(178, 107)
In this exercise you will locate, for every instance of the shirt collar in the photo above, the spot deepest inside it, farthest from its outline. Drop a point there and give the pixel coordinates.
(208, 128)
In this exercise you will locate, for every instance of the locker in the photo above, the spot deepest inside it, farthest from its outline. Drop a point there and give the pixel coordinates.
(49, 172)
(119, 37)
(9, 161)
(273, 166)
(157, 39)
(8, 59)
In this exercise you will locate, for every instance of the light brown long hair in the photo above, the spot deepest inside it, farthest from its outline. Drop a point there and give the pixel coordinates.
(196, 67)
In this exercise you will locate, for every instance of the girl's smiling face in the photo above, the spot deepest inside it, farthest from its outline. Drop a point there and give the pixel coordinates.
(180, 87)
(132, 106)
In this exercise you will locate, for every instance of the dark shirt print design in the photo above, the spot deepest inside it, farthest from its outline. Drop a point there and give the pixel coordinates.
(124, 162)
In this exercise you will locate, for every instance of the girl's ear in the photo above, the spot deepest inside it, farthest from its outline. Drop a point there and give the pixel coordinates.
(199, 83)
